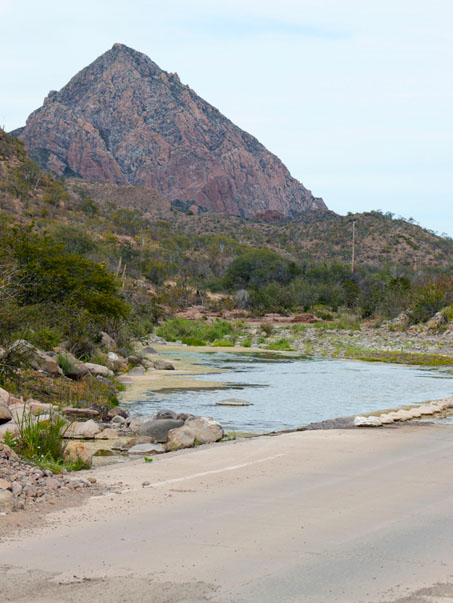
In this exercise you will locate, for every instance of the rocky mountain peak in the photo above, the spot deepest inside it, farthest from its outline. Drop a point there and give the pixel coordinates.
(124, 120)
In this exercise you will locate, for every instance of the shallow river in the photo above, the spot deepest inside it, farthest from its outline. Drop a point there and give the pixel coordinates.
(290, 392)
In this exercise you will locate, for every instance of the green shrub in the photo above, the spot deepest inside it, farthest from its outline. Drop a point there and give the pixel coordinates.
(199, 331)
(65, 363)
(223, 343)
(348, 323)
(267, 328)
(194, 341)
(45, 338)
(282, 344)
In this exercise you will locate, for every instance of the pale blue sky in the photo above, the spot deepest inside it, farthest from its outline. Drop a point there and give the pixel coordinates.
(354, 96)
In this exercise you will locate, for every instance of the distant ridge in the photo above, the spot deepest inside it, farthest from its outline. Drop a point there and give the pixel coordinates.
(124, 120)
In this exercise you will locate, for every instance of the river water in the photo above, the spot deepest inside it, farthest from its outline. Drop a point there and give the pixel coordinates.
(289, 392)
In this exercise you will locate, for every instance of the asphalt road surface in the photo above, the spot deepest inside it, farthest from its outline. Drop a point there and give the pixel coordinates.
(363, 515)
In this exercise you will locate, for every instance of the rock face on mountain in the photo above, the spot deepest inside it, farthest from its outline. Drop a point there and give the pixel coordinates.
(124, 120)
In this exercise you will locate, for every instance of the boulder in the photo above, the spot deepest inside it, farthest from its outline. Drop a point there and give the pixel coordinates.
(17, 411)
(415, 413)
(36, 407)
(233, 402)
(138, 440)
(78, 451)
(147, 364)
(6, 501)
(108, 342)
(182, 437)
(77, 370)
(35, 358)
(5, 484)
(403, 415)
(163, 365)
(166, 414)
(80, 412)
(367, 421)
(426, 409)
(82, 429)
(147, 448)
(11, 427)
(107, 434)
(9, 452)
(386, 419)
(206, 430)
(158, 429)
(146, 351)
(4, 396)
(5, 413)
(444, 404)
(137, 370)
(118, 411)
(134, 422)
(98, 369)
(436, 407)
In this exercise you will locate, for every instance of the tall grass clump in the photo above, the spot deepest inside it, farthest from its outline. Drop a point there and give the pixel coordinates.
(39, 440)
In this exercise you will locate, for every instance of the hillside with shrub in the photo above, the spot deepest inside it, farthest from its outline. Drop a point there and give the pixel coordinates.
(78, 258)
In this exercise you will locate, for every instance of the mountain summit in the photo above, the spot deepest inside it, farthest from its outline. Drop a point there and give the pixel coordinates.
(124, 120)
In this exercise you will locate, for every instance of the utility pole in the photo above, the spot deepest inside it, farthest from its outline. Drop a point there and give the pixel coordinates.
(353, 248)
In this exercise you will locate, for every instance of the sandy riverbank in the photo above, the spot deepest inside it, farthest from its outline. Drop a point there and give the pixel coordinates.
(184, 375)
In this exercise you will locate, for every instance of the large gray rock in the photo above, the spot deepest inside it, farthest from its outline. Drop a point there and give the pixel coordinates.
(6, 501)
(77, 370)
(163, 365)
(82, 429)
(206, 430)
(137, 371)
(158, 428)
(166, 414)
(35, 358)
(149, 448)
(148, 350)
(98, 369)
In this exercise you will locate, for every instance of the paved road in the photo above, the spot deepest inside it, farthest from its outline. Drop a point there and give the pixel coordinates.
(349, 516)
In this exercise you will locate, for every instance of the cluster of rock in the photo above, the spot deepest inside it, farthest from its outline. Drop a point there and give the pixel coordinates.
(173, 431)
(415, 412)
(23, 485)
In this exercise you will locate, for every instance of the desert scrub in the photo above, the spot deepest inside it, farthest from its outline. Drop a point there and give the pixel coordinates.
(223, 343)
(282, 344)
(65, 363)
(88, 392)
(198, 332)
(348, 323)
(413, 358)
